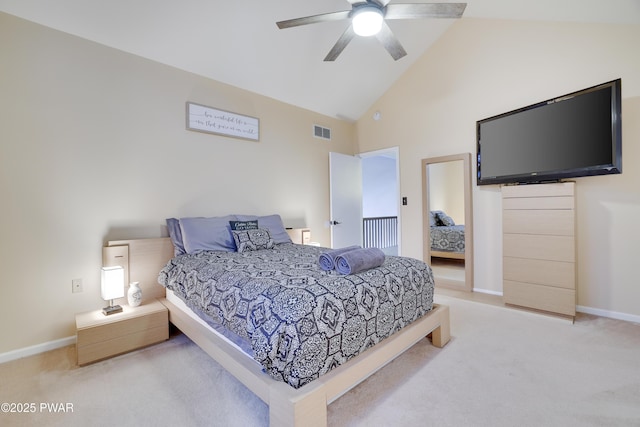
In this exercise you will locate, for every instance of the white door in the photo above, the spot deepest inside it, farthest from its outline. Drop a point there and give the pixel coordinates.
(345, 193)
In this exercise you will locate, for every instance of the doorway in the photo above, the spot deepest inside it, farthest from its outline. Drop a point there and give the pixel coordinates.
(381, 199)
(377, 195)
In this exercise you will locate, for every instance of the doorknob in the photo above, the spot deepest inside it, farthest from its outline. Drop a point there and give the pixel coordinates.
(334, 222)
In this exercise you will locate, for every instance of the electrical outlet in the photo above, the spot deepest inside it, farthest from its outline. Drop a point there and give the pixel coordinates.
(76, 285)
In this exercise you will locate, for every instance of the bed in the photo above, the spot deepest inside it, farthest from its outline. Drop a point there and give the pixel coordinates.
(447, 238)
(282, 281)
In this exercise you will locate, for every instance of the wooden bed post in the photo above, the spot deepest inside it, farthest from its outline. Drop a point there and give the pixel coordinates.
(441, 335)
(289, 409)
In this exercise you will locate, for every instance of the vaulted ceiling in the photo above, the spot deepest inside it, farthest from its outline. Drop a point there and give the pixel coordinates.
(237, 41)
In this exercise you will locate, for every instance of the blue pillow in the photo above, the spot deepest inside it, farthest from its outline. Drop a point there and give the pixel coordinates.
(444, 219)
(175, 234)
(432, 219)
(207, 234)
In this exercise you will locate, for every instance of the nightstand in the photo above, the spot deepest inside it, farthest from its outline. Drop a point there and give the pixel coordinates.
(99, 337)
(301, 236)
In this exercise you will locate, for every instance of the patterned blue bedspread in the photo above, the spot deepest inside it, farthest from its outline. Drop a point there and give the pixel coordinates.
(447, 238)
(301, 321)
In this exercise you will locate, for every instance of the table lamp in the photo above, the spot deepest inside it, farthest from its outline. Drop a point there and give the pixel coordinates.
(112, 287)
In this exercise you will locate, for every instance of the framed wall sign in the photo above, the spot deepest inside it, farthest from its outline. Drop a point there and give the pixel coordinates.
(201, 118)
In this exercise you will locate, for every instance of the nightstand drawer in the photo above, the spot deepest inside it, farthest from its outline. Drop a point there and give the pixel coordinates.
(99, 336)
(114, 330)
(118, 345)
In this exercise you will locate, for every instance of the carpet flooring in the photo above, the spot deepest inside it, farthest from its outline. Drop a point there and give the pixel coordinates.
(503, 367)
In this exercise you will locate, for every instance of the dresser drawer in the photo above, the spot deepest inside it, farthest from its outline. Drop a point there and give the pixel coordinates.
(553, 248)
(542, 191)
(539, 203)
(540, 297)
(541, 272)
(541, 222)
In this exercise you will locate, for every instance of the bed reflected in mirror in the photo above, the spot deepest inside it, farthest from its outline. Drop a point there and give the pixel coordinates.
(447, 220)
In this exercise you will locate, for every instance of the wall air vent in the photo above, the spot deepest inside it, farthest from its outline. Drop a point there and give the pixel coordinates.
(321, 132)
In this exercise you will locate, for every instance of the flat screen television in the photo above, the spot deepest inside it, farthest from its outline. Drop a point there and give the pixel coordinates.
(578, 134)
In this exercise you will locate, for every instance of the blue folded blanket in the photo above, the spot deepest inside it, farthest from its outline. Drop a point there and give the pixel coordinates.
(358, 260)
(327, 259)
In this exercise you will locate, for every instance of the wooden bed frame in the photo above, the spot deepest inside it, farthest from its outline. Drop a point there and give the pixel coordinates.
(306, 406)
(450, 255)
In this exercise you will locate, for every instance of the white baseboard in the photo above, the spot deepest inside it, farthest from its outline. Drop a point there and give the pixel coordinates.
(36, 349)
(608, 313)
(486, 291)
(582, 309)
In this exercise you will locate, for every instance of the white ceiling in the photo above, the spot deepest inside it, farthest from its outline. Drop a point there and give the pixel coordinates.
(237, 41)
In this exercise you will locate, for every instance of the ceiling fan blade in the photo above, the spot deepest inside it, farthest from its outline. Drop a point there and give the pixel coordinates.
(380, 2)
(324, 17)
(342, 42)
(425, 10)
(390, 42)
(354, 2)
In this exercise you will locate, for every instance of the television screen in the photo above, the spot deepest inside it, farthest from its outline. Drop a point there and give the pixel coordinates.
(574, 135)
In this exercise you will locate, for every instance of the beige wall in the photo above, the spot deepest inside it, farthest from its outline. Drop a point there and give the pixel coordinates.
(480, 68)
(93, 147)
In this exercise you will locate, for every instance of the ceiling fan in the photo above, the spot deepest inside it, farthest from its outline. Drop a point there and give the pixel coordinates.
(368, 19)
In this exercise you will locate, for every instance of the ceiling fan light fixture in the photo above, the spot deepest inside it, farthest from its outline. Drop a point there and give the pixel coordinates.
(367, 21)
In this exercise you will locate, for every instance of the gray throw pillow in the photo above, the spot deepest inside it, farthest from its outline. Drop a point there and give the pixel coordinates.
(253, 239)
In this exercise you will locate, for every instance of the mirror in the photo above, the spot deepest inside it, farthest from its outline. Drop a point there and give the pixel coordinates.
(448, 220)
